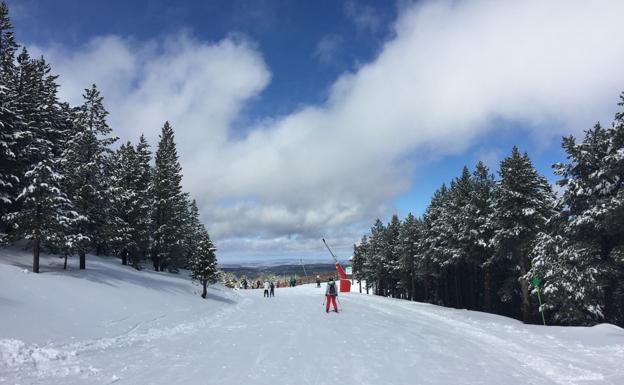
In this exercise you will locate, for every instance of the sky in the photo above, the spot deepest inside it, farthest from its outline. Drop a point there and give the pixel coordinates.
(297, 120)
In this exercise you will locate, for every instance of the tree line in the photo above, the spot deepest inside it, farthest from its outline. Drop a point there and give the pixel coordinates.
(482, 241)
(67, 190)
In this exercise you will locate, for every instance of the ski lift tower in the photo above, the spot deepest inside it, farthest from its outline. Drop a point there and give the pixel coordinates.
(345, 284)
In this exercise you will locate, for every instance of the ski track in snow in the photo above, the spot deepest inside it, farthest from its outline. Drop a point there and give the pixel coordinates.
(571, 368)
(289, 339)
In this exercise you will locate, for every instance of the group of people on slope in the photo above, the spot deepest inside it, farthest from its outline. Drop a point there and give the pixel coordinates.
(269, 289)
(331, 291)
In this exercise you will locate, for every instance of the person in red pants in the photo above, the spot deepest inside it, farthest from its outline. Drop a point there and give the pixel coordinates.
(331, 292)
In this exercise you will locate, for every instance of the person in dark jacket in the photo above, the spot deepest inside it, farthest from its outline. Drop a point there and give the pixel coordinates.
(331, 292)
(318, 281)
(272, 292)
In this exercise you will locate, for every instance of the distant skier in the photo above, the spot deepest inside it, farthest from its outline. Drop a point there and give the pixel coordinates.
(266, 288)
(244, 284)
(318, 281)
(330, 295)
(272, 286)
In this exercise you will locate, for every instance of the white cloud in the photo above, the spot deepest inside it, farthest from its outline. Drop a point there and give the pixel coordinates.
(363, 16)
(328, 48)
(451, 70)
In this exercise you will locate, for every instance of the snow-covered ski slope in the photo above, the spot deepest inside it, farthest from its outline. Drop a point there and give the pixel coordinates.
(111, 324)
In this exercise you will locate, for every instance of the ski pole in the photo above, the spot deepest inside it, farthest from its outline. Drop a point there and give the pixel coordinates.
(339, 304)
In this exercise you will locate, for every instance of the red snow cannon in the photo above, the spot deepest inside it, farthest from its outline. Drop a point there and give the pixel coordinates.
(345, 284)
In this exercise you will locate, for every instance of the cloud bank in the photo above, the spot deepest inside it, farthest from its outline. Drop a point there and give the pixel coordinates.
(450, 70)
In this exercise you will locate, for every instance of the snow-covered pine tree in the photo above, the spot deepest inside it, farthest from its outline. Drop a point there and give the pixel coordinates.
(392, 255)
(432, 246)
(594, 203)
(121, 213)
(570, 287)
(374, 265)
(88, 152)
(359, 260)
(477, 214)
(409, 237)
(43, 209)
(143, 202)
(523, 203)
(204, 261)
(11, 124)
(455, 225)
(66, 237)
(192, 229)
(170, 205)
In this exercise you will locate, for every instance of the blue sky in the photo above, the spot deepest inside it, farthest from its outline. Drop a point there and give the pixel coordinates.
(286, 33)
(297, 120)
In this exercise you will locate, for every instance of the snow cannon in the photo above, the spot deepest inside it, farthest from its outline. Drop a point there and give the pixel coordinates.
(345, 284)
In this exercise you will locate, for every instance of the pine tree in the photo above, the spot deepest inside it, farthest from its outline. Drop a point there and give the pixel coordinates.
(594, 206)
(433, 244)
(11, 124)
(121, 215)
(204, 261)
(192, 229)
(456, 227)
(170, 205)
(392, 254)
(374, 266)
(409, 237)
(143, 202)
(88, 152)
(477, 214)
(43, 209)
(523, 203)
(359, 259)
(569, 274)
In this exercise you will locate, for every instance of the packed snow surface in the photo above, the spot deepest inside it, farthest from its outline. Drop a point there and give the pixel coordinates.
(111, 324)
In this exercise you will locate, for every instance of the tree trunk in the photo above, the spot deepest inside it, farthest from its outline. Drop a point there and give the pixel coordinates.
(36, 255)
(458, 298)
(487, 289)
(205, 292)
(412, 286)
(524, 284)
(65, 263)
(360, 282)
(124, 258)
(471, 288)
(83, 263)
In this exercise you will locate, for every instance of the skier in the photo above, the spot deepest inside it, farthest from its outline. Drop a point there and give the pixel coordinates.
(318, 281)
(266, 289)
(330, 295)
(272, 286)
(244, 284)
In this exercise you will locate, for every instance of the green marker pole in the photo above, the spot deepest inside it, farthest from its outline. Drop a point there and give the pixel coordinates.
(536, 282)
(541, 308)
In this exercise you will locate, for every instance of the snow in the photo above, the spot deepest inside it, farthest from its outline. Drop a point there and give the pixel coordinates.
(111, 324)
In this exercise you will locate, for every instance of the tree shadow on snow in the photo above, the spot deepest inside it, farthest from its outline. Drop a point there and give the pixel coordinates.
(104, 270)
(220, 299)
